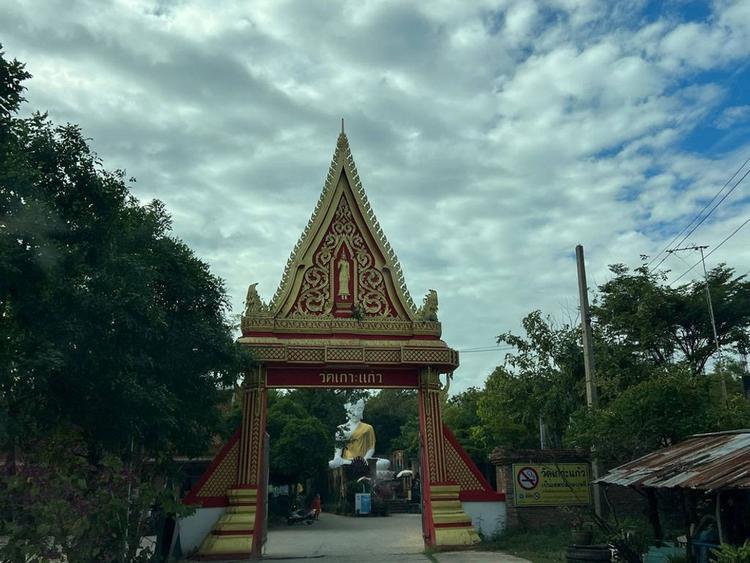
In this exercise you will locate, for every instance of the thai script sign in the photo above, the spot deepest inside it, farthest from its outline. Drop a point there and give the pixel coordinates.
(350, 378)
(335, 377)
(551, 484)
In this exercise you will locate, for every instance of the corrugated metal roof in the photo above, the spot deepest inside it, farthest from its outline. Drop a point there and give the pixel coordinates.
(705, 461)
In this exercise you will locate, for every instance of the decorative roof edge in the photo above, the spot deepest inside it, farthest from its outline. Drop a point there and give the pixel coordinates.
(343, 154)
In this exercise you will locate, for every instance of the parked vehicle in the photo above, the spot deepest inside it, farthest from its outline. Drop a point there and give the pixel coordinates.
(301, 515)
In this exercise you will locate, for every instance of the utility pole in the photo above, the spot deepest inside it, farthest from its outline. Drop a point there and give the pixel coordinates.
(722, 383)
(592, 398)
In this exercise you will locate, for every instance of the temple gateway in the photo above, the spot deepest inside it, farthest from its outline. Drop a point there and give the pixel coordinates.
(341, 317)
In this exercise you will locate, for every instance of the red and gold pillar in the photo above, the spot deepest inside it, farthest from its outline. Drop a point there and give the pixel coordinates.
(444, 522)
(239, 532)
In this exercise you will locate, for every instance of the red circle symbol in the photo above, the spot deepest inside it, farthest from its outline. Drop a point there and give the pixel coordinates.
(528, 478)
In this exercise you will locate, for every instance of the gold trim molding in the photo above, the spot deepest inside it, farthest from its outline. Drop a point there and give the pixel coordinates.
(351, 352)
(300, 324)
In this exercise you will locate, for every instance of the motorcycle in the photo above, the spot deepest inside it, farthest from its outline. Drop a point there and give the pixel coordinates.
(299, 516)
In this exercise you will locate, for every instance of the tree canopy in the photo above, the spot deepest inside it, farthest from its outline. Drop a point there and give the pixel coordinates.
(110, 323)
(113, 334)
(657, 325)
(653, 346)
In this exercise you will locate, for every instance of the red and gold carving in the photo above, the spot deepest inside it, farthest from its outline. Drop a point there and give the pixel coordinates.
(432, 424)
(253, 427)
(343, 273)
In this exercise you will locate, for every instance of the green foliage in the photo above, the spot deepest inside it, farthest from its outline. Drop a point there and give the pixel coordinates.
(541, 546)
(461, 415)
(408, 438)
(301, 443)
(645, 417)
(730, 554)
(65, 508)
(651, 346)
(657, 325)
(544, 378)
(301, 450)
(114, 343)
(327, 406)
(387, 411)
(109, 323)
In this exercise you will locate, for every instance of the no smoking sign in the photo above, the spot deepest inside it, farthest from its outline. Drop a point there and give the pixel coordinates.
(527, 478)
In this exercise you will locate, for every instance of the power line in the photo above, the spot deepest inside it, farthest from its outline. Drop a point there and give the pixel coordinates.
(487, 349)
(686, 227)
(717, 247)
(709, 301)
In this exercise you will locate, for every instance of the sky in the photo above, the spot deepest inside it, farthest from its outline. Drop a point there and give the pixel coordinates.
(490, 137)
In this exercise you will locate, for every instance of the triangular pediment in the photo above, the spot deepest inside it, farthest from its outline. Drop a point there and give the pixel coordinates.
(342, 265)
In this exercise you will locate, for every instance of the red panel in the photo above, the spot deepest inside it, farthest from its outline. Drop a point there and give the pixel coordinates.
(481, 496)
(208, 502)
(192, 497)
(466, 459)
(338, 377)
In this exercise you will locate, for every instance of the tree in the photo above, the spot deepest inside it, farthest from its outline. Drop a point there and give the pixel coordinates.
(462, 417)
(111, 324)
(655, 325)
(325, 405)
(111, 327)
(301, 443)
(543, 379)
(652, 414)
(68, 509)
(387, 411)
(408, 438)
(301, 451)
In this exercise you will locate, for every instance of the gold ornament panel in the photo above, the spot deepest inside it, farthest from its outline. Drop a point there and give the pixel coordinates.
(342, 178)
(457, 470)
(343, 254)
(224, 477)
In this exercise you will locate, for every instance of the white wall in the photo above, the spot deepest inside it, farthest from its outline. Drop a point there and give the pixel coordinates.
(195, 527)
(488, 517)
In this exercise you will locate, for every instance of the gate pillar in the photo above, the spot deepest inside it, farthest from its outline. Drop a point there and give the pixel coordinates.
(444, 522)
(240, 531)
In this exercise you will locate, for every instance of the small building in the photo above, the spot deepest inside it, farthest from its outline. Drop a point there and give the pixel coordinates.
(712, 474)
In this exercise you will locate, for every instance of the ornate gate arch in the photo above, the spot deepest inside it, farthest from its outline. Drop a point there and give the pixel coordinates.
(341, 317)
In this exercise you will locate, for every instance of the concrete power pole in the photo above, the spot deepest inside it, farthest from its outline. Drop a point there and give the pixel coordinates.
(592, 398)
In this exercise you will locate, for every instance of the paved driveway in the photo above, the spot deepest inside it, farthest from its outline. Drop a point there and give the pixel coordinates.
(336, 537)
(340, 539)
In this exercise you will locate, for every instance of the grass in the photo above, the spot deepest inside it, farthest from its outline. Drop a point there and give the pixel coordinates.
(547, 546)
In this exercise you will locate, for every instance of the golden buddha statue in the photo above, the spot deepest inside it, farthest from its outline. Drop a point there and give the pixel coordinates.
(354, 438)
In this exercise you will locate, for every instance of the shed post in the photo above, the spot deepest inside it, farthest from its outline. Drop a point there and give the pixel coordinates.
(653, 513)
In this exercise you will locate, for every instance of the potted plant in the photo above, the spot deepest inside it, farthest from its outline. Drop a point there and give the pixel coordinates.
(580, 527)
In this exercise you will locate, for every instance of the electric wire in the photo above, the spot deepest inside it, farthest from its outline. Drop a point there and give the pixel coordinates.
(486, 349)
(700, 212)
(717, 247)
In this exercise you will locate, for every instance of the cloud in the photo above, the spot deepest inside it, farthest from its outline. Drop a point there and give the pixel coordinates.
(733, 115)
(491, 137)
